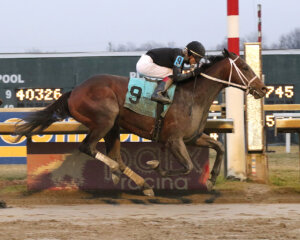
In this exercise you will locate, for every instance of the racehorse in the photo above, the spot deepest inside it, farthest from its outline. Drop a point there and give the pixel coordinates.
(98, 104)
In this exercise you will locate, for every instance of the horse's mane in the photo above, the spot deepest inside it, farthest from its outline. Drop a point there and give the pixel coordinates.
(212, 60)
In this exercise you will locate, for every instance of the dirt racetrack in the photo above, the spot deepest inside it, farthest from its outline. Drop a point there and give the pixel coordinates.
(253, 212)
(152, 221)
(243, 211)
(237, 210)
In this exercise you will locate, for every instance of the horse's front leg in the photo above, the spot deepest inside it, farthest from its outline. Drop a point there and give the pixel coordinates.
(179, 151)
(206, 141)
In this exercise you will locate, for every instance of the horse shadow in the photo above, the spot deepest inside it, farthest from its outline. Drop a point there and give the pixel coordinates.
(73, 170)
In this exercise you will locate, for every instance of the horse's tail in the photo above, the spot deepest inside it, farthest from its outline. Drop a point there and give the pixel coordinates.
(40, 120)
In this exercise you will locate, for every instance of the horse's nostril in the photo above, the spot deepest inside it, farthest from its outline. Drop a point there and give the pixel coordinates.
(264, 89)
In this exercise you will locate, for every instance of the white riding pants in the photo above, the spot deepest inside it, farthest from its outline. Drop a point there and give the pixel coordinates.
(147, 67)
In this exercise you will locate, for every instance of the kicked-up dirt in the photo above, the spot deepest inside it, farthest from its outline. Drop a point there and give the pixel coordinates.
(244, 211)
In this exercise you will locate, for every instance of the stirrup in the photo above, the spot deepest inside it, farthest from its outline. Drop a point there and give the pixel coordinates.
(159, 98)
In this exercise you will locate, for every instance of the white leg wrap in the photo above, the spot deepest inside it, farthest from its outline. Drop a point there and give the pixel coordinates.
(108, 161)
(135, 177)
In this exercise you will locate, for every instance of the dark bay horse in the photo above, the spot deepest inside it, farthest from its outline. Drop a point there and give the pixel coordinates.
(98, 104)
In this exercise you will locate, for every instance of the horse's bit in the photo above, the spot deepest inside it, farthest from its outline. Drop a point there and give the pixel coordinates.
(246, 83)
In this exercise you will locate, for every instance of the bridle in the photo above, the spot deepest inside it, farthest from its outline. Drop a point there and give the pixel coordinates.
(246, 83)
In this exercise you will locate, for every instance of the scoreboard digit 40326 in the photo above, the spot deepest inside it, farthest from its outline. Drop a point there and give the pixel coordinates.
(38, 94)
(31, 97)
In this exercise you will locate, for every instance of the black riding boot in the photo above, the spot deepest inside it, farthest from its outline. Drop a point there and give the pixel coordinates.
(160, 90)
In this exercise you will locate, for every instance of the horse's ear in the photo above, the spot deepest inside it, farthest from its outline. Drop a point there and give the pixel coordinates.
(225, 53)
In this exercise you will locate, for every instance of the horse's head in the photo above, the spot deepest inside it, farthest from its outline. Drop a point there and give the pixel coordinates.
(242, 74)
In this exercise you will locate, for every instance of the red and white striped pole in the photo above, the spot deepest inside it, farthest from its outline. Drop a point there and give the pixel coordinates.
(233, 26)
(259, 22)
(235, 150)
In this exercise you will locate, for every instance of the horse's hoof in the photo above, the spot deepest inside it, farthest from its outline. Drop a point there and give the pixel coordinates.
(115, 176)
(115, 166)
(209, 185)
(148, 192)
(115, 179)
(153, 164)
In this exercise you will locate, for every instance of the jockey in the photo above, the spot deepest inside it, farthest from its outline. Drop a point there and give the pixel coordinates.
(167, 63)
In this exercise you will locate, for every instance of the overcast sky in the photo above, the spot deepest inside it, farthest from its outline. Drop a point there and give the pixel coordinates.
(89, 25)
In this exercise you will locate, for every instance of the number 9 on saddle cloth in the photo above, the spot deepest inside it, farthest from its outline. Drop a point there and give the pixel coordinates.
(138, 97)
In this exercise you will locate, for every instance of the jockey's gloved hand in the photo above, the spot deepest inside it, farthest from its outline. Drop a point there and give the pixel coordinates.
(197, 71)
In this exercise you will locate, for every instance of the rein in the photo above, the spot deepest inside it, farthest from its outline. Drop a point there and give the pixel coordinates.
(246, 83)
(191, 107)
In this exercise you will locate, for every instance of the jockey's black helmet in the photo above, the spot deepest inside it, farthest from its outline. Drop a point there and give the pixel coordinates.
(196, 48)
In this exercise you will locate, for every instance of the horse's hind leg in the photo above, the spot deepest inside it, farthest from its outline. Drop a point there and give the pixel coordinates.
(89, 144)
(206, 141)
(112, 143)
(113, 150)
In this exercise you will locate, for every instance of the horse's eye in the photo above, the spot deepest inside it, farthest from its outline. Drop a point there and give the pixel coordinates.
(246, 68)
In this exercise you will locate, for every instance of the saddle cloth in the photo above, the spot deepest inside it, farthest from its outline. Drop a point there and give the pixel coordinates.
(138, 97)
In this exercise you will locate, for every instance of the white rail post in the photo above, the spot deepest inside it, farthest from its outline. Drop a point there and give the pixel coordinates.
(236, 161)
(288, 142)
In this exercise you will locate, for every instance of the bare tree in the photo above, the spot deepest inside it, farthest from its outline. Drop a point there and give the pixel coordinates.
(127, 47)
(252, 37)
(289, 41)
(33, 50)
